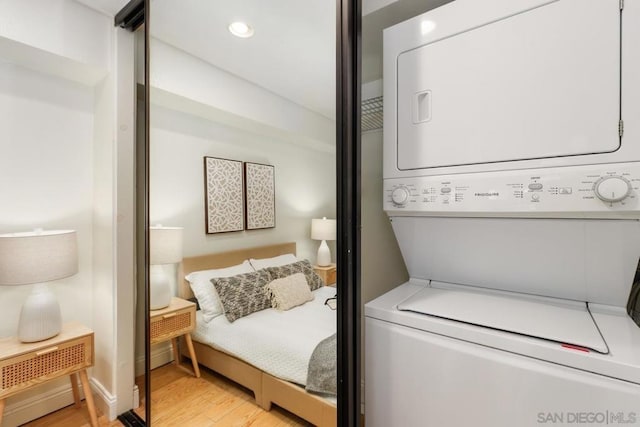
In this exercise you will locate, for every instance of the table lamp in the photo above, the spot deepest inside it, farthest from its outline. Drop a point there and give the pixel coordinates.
(323, 229)
(37, 257)
(166, 248)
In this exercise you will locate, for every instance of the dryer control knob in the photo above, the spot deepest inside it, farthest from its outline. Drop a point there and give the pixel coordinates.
(612, 189)
(400, 196)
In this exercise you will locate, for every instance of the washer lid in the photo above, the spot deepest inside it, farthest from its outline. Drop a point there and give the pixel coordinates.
(562, 321)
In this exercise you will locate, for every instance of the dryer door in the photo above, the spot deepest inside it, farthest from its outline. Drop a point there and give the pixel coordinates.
(541, 83)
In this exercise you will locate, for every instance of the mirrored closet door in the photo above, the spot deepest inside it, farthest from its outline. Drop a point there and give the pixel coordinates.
(243, 211)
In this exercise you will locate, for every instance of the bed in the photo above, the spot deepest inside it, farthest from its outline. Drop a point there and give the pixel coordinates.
(267, 388)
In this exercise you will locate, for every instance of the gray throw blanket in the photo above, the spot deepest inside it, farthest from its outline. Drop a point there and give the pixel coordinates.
(323, 367)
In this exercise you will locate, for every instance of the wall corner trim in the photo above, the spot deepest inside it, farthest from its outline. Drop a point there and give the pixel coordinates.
(105, 401)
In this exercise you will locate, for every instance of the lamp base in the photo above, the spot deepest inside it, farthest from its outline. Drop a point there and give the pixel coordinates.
(324, 255)
(160, 292)
(40, 317)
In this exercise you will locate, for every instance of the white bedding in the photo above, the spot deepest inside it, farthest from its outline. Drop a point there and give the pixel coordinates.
(279, 343)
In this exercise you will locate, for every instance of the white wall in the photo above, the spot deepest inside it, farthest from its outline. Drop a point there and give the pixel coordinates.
(305, 182)
(46, 180)
(46, 176)
(227, 98)
(62, 27)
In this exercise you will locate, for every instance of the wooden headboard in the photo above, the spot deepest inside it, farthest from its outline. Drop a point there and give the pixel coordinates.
(227, 259)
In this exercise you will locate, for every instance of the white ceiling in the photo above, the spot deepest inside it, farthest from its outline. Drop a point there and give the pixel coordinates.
(291, 54)
(293, 50)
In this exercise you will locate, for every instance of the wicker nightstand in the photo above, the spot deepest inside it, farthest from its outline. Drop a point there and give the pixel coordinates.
(327, 273)
(24, 365)
(179, 319)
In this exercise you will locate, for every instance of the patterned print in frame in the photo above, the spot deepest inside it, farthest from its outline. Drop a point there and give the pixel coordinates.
(224, 195)
(260, 195)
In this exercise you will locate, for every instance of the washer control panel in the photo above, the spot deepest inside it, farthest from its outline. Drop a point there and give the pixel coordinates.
(575, 190)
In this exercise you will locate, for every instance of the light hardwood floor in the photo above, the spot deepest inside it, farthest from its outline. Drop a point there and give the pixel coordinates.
(180, 399)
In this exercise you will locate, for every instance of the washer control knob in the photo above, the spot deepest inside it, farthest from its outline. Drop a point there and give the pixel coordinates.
(400, 195)
(612, 188)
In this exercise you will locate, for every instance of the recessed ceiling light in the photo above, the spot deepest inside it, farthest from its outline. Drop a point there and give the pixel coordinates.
(241, 29)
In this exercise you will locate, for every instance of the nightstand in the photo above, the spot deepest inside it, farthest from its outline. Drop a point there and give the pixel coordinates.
(327, 273)
(179, 319)
(24, 365)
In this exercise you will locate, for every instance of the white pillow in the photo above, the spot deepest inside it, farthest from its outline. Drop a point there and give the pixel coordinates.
(276, 261)
(205, 292)
(289, 292)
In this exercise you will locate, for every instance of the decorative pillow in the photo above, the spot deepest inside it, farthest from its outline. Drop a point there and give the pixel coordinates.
(243, 294)
(200, 282)
(313, 280)
(289, 292)
(276, 261)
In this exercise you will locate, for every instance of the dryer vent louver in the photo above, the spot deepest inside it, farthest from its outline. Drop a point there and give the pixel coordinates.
(371, 114)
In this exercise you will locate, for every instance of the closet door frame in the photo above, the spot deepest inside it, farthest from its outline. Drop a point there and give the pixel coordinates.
(348, 155)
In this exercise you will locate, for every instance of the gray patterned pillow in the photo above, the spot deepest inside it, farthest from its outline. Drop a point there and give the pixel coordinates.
(303, 267)
(243, 294)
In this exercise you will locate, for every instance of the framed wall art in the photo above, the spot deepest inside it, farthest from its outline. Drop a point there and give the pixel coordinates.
(224, 195)
(260, 194)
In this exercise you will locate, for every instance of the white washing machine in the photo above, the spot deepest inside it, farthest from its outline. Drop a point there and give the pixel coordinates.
(512, 181)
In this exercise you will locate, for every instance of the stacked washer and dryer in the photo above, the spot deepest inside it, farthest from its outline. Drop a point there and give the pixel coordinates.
(512, 182)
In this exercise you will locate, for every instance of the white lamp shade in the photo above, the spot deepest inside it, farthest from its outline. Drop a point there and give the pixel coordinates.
(165, 245)
(323, 229)
(37, 256)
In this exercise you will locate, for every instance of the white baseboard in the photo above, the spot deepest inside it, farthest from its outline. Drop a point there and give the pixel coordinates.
(136, 396)
(105, 401)
(35, 406)
(51, 399)
(161, 354)
(54, 398)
